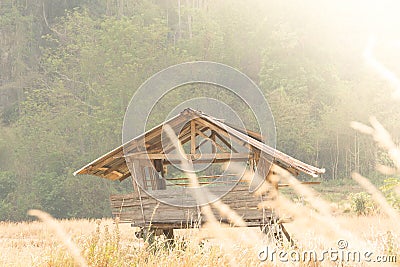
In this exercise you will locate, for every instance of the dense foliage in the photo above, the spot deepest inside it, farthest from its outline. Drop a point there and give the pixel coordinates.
(69, 69)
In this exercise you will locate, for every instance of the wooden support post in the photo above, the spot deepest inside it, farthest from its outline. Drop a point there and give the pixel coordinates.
(251, 165)
(153, 178)
(192, 137)
(213, 147)
(134, 184)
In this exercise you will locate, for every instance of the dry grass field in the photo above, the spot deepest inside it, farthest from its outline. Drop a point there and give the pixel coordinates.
(103, 243)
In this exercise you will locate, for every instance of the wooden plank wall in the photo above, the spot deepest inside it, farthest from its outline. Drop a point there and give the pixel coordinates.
(129, 208)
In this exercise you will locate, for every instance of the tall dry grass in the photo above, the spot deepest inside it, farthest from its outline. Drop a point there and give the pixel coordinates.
(39, 247)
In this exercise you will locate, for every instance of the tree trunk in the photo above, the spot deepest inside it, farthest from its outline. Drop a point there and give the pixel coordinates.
(179, 19)
(189, 19)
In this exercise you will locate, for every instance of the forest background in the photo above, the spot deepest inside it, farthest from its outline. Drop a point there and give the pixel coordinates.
(69, 68)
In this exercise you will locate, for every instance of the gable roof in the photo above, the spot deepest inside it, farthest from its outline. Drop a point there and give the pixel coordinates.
(113, 166)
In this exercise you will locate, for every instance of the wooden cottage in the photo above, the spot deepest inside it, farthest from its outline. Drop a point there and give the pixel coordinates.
(161, 197)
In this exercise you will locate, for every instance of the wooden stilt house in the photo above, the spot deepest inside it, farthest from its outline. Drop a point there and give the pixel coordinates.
(161, 196)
